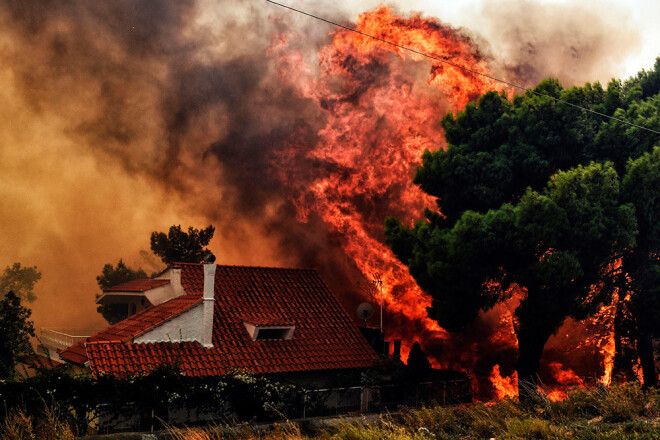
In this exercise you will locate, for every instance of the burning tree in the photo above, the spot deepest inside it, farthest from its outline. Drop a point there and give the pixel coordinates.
(642, 263)
(555, 246)
(509, 219)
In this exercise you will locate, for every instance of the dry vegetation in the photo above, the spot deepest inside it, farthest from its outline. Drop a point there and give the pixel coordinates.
(50, 426)
(620, 412)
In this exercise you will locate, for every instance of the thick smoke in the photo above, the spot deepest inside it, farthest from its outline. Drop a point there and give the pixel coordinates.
(121, 118)
(575, 43)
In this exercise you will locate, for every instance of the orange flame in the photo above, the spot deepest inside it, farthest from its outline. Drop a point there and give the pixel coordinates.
(608, 352)
(380, 107)
(379, 121)
(565, 379)
(504, 387)
(607, 342)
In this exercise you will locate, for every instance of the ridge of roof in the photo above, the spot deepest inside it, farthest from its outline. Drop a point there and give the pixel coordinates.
(239, 266)
(138, 285)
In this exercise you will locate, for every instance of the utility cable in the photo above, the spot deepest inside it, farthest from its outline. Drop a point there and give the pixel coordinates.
(467, 69)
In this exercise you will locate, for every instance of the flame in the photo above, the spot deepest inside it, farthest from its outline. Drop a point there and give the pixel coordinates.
(379, 121)
(637, 371)
(565, 378)
(556, 395)
(380, 106)
(608, 351)
(504, 387)
(607, 342)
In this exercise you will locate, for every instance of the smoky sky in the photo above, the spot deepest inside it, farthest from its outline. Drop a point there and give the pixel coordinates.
(121, 118)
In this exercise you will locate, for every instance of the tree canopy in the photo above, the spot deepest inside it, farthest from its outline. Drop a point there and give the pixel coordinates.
(15, 332)
(111, 276)
(20, 280)
(178, 246)
(529, 196)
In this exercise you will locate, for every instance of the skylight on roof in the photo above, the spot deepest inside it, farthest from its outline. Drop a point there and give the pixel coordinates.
(269, 332)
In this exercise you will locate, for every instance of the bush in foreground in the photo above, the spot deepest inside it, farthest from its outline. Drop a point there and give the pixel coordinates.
(616, 413)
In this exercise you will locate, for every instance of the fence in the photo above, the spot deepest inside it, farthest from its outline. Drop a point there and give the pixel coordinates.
(309, 403)
(63, 337)
(369, 399)
(142, 402)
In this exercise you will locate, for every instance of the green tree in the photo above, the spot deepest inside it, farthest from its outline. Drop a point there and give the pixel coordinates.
(642, 264)
(15, 333)
(178, 246)
(20, 280)
(112, 276)
(646, 82)
(497, 148)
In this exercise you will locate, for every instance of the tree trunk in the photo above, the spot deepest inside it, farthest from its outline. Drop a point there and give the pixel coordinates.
(538, 318)
(530, 349)
(646, 358)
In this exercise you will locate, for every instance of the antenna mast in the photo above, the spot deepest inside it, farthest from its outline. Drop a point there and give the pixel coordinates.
(378, 281)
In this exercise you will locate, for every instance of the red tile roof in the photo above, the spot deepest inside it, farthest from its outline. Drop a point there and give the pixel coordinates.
(324, 338)
(76, 354)
(40, 362)
(139, 285)
(121, 359)
(133, 326)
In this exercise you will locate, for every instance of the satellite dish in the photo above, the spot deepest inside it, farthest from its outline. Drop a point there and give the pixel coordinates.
(209, 258)
(365, 311)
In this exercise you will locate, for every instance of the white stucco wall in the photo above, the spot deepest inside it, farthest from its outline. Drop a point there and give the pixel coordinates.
(160, 294)
(174, 275)
(185, 327)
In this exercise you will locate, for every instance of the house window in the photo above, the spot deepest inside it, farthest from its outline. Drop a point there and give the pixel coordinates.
(273, 333)
(269, 332)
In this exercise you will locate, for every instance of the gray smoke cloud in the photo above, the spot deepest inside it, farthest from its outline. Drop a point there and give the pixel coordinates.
(576, 43)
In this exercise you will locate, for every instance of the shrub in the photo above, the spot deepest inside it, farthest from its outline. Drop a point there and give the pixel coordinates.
(624, 402)
(528, 428)
(50, 426)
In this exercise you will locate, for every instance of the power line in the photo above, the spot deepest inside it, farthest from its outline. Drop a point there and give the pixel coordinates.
(467, 69)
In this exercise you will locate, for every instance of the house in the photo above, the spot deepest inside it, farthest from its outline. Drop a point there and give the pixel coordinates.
(209, 319)
(137, 295)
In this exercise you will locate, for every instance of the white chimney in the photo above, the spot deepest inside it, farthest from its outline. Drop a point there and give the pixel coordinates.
(175, 281)
(208, 305)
